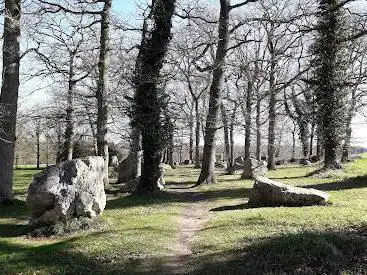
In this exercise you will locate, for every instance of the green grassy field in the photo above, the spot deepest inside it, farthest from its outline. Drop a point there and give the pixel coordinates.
(138, 235)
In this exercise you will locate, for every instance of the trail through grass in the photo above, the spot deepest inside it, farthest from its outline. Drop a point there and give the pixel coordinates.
(205, 230)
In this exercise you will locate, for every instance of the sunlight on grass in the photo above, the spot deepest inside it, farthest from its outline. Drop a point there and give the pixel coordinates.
(139, 233)
(236, 231)
(136, 233)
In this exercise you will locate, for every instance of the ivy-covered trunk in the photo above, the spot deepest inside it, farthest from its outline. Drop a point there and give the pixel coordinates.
(329, 64)
(148, 101)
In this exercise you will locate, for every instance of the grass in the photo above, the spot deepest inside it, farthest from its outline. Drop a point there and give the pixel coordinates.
(139, 233)
(136, 235)
(308, 240)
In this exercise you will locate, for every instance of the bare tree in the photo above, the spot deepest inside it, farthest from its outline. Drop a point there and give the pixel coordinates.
(207, 175)
(102, 90)
(9, 96)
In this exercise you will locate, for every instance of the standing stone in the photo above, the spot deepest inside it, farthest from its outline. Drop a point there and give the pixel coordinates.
(114, 161)
(71, 189)
(125, 170)
(238, 164)
(267, 192)
(253, 168)
(162, 169)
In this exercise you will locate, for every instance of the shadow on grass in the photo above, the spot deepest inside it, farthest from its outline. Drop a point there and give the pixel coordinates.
(16, 209)
(29, 169)
(231, 207)
(64, 257)
(303, 253)
(172, 196)
(14, 230)
(308, 175)
(50, 258)
(300, 253)
(350, 183)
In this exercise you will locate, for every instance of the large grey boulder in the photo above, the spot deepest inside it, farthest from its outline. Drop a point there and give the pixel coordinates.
(267, 192)
(71, 189)
(252, 168)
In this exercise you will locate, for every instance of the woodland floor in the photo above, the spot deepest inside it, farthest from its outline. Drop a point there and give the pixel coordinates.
(205, 230)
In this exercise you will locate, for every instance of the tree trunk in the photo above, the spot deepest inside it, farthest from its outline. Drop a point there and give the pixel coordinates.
(293, 144)
(153, 48)
(305, 138)
(231, 141)
(137, 153)
(9, 96)
(226, 136)
(170, 150)
(258, 129)
(248, 120)
(319, 148)
(272, 111)
(348, 127)
(312, 137)
(346, 145)
(197, 135)
(47, 151)
(164, 156)
(60, 148)
(38, 133)
(207, 174)
(329, 67)
(69, 131)
(94, 134)
(191, 141)
(102, 89)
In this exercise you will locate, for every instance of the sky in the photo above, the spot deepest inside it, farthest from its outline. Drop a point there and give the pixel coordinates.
(126, 8)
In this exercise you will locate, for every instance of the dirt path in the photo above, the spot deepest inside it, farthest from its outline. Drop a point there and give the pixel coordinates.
(192, 221)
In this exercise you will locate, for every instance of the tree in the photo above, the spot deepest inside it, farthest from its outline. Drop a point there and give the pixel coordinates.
(9, 96)
(147, 101)
(207, 174)
(303, 113)
(102, 88)
(72, 64)
(329, 82)
(186, 48)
